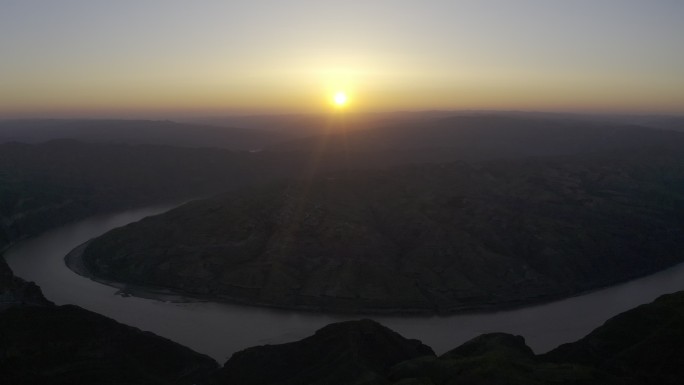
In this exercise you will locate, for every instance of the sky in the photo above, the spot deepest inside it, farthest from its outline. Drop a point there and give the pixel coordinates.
(167, 58)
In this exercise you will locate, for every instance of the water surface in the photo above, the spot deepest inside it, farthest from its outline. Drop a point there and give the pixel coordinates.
(219, 329)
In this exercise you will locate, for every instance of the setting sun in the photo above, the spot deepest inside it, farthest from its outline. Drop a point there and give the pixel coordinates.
(340, 99)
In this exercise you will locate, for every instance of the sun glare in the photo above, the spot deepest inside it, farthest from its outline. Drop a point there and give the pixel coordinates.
(340, 99)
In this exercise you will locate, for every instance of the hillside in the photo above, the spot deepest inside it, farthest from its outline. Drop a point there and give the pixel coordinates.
(70, 345)
(45, 185)
(646, 342)
(41, 343)
(15, 291)
(431, 238)
(337, 354)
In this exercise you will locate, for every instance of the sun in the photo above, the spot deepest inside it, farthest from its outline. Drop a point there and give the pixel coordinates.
(340, 99)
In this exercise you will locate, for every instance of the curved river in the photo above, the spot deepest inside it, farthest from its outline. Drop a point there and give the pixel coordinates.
(219, 329)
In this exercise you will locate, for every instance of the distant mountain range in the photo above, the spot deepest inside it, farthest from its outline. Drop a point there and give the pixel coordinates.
(434, 129)
(308, 124)
(480, 137)
(165, 133)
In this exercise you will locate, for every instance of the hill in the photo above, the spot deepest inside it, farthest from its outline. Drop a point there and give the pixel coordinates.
(69, 345)
(429, 238)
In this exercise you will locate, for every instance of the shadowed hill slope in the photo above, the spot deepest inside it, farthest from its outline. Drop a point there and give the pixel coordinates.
(646, 342)
(15, 291)
(432, 238)
(640, 346)
(492, 359)
(69, 345)
(339, 353)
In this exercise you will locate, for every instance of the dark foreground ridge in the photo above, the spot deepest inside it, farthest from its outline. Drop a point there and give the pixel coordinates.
(41, 343)
(70, 345)
(431, 238)
(339, 353)
(641, 346)
(46, 344)
(15, 291)
(646, 343)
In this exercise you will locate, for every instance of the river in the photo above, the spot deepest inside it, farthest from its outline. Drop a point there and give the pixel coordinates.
(219, 330)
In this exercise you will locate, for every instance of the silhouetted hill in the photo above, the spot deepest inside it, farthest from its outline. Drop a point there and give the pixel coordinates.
(341, 353)
(69, 345)
(641, 346)
(429, 238)
(646, 343)
(15, 291)
(138, 132)
(493, 359)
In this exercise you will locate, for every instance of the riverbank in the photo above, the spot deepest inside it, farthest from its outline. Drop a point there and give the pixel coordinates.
(210, 327)
(74, 261)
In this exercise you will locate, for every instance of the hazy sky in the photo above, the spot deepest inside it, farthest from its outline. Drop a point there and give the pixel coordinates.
(175, 57)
